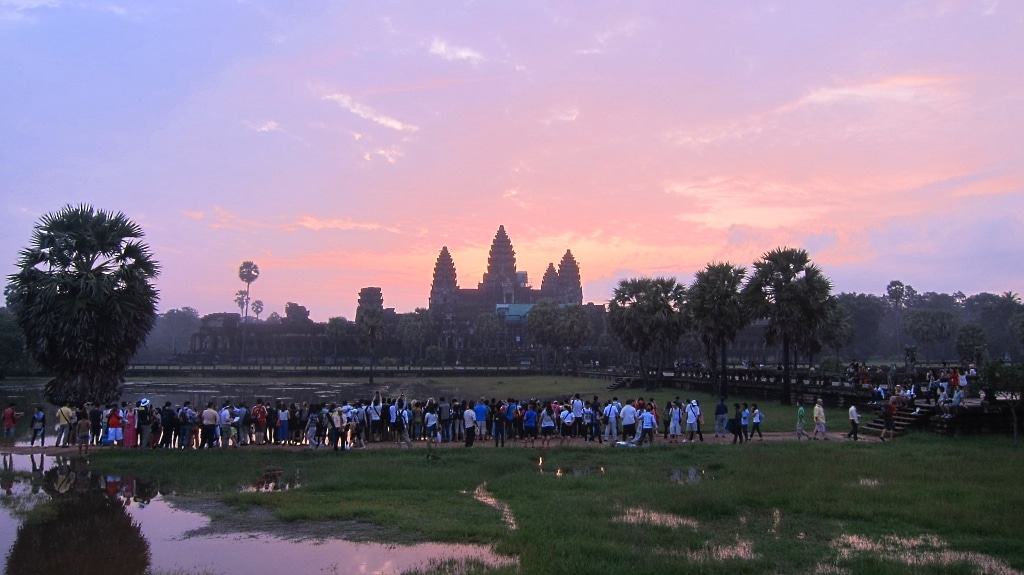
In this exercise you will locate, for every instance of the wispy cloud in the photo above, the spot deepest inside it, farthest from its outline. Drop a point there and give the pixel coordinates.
(903, 89)
(268, 126)
(390, 154)
(195, 215)
(455, 53)
(16, 11)
(368, 113)
(513, 195)
(343, 224)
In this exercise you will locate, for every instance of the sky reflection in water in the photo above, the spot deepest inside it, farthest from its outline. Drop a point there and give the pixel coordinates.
(166, 529)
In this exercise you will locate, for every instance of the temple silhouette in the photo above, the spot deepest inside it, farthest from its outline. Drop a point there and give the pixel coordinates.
(503, 290)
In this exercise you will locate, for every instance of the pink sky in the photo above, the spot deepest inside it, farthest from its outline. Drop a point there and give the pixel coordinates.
(341, 145)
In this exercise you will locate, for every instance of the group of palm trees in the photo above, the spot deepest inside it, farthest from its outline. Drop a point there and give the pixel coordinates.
(650, 315)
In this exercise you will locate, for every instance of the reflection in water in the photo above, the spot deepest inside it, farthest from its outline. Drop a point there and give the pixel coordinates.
(271, 480)
(927, 550)
(483, 496)
(65, 533)
(75, 521)
(691, 476)
(639, 516)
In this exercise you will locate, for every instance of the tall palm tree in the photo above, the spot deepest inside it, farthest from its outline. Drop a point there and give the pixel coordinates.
(248, 272)
(372, 331)
(718, 313)
(646, 314)
(83, 297)
(792, 294)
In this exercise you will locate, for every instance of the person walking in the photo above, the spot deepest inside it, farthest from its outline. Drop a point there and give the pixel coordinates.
(755, 421)
(819, 420)
(737, 429)
(800, 422)
(693, 417)
(854, 423)
(721, 417)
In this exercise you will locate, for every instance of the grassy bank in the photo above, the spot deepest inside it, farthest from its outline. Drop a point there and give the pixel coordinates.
(919, 505)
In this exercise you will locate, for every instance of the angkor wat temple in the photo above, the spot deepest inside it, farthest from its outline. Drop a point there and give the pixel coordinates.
(503, 289)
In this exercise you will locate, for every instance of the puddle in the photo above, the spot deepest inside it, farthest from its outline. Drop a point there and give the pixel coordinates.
(927, 550)
(272, 479)
(742, 549)
(483, 496)
(647, 517)
(569, 471)
(158, 533)
(691, 476)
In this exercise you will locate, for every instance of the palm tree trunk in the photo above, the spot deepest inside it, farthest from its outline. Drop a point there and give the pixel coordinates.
(724, 381)
(786, 399)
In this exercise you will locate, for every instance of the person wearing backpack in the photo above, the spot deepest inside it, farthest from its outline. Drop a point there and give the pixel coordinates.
(186, 418)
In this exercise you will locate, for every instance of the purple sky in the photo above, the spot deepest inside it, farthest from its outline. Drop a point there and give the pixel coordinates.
(342, 144)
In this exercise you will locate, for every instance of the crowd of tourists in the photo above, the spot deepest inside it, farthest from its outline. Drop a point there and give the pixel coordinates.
(380, 419)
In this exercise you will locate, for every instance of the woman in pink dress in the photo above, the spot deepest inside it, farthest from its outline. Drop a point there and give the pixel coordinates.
(131, 431)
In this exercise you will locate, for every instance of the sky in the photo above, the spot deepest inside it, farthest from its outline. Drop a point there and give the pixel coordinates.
(341, 145)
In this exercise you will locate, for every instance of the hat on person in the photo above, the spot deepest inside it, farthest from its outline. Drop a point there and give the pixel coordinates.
(694, 403)
(144, 402)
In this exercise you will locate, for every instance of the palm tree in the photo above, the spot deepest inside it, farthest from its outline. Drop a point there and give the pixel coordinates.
(241, 300)
(257, 308)
(718, 313)
(792, 294)
(645, 314)
(248, 272)
(372, 331)
(83, 297)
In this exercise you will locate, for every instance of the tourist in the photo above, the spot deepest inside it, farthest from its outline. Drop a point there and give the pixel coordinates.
(259, 421)
(547, 425)
(444, 420)
(168, 425)
(64, 418)
(819, 420)
(611, 421)
(693, 417)
(115, 431)
(186, 420)
(38, 427)
(735, 423)
(889, 418)
(648, 426)
(430, 421)
(800, 421)
(226, 420)
(628, 416)
(376, 410)
(469, 423)
(95, 423)
(530, 425)
(745, 422)
(145, 419)
(209, 420)
(10, 417)
(481, 414)
(83, 430)
(576, 404)
(675, 422)
(131, 426)
(755, 421)
(311, 426)
(595, 420)
(721, 416)
(854, 422)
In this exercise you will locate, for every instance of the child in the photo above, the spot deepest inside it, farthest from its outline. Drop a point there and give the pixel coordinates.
(83, 431)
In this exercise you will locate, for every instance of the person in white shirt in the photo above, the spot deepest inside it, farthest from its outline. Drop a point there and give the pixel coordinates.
(611, 426)
(675, 422)
(469, 420)
(628, 415)
(854, 423)
(693, 420)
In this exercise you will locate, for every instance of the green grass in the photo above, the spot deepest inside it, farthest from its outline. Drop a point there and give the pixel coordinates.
(786, 504)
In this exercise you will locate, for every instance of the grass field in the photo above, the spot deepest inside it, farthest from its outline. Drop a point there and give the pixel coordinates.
(922, 504)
